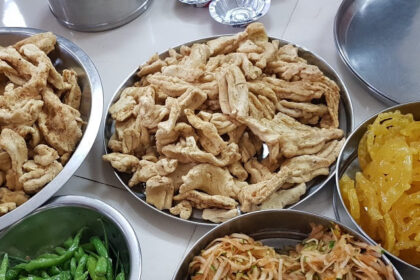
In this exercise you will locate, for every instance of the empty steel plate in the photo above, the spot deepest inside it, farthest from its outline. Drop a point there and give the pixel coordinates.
(379, 41)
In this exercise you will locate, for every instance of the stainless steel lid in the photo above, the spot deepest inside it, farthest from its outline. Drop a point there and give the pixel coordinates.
(238, 13)
(96, 15)
(379, 41)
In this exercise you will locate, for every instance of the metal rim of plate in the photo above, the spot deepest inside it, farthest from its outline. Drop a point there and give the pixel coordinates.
(343, 165)
(219, 19)
(345, 116)
(104, 209)
(196, 3)
(89, 134)
(276, 228)
(342, 21)
(106, 25)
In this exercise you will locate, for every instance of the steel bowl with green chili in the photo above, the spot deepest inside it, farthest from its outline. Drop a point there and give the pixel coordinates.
(72, 237)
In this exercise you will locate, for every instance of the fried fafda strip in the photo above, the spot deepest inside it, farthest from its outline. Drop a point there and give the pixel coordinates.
(15, 146)
(209, 138)
(186, 150)
(219, 215)
(202, 200)
(293, 137)
(183, 209)
(59, 123)
(212, 180)
(44, 41)
(233, 92)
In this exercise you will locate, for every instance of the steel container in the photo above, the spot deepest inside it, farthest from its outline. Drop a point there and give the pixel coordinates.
(276, 228)
(196, 3)
(61, 218)
(345, 118)
(238, 13)
(65, 55)
(378, 41)
(347, 163)
(96, 15)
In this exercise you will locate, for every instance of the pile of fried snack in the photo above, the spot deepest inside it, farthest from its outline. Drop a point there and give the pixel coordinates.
(197, 125)
(40, 122)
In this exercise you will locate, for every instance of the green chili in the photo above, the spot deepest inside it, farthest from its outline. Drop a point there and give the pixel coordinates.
(60, 250)
(68, 242)
(47, 262)
(99, 246)
(101, 266)
(91, 265)
(87, 246)
(83, 276)
(80, 270)
(3, 267)
(31, 277)
(120, 276)
(44, 274)
(54, 270)
(79, 253)
(64, 275)
(48, 256)
(109, 273)
(73, 266)
(12, 273)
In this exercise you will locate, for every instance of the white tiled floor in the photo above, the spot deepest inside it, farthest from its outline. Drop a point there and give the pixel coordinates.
(116, 53)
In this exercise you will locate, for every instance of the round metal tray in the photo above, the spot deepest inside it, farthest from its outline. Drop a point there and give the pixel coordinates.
(379, 41)
(276, 228)
(61, 217)
(348, 163)
(65, 55)
(345, 118)
(96, 15)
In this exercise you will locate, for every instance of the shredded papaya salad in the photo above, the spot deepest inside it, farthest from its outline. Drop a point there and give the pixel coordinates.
(327, 254)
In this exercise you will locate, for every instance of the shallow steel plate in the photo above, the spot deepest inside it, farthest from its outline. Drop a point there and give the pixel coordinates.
(345, 118)
(379, 41)
(280, 229)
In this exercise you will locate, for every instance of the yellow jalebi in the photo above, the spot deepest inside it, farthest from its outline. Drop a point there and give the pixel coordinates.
(384, 198)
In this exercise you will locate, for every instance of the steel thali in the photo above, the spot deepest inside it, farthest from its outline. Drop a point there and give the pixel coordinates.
(345, 118)
(379, 42)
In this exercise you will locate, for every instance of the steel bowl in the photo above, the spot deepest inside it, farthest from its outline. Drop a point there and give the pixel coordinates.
(196, 3)
(65, 55)
(276, 228)
(349, 164)
(96, 15)
(238, 13)
(61, 218)
(345, 117)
